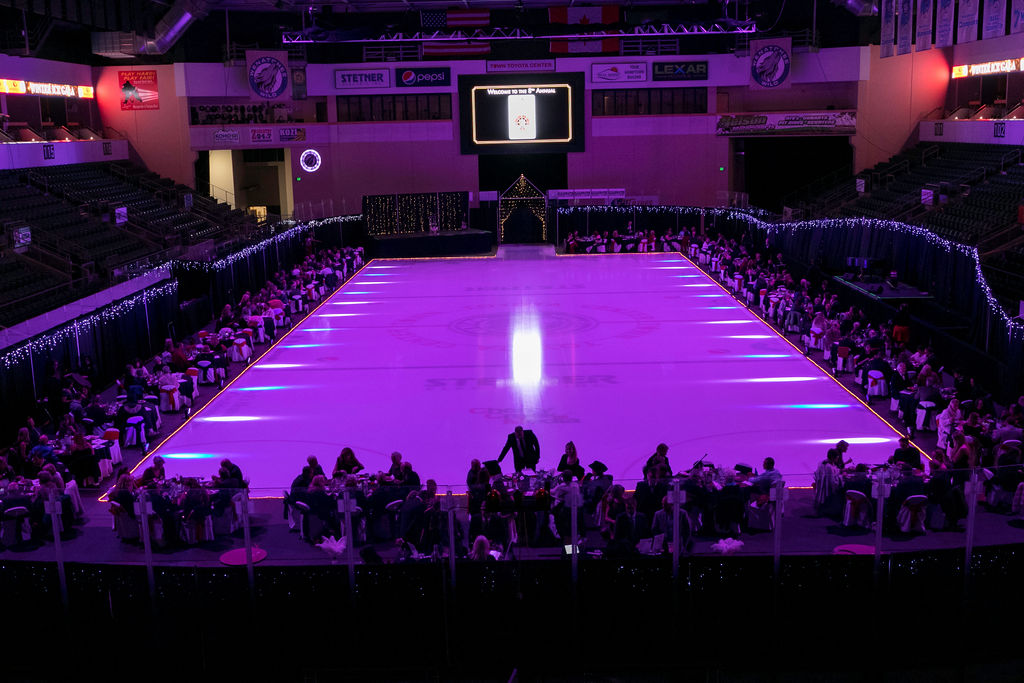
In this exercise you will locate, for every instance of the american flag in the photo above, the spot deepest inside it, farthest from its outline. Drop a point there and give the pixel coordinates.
(455, 18)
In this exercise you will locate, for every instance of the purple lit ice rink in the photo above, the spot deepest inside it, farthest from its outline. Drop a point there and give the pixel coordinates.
(440, 359)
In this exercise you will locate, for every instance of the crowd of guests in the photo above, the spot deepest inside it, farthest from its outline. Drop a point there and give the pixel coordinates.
(62, 442)
(630, 240)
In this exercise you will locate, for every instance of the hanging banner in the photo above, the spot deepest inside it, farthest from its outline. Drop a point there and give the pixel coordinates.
(967, 22)
(888, 11)
(802, 123)
(770, 62)
(924, 25)
(267, 73)
(905, 32)
(1017, 16)
(994, 24)
(138, 90)
(944, 16)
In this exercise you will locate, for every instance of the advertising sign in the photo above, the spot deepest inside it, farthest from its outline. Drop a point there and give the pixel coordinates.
(138, 90)
(520, 66)
(291, 134)
(802, 123)
(423, 77)
(261, 134)
(345, 79)
(630, 72)
(225, 136)
(680, 71)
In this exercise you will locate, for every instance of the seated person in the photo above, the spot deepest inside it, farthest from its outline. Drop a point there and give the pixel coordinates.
(906, 454)
(570, 461)
(347, 463)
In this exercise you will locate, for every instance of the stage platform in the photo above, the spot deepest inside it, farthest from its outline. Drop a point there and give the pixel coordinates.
(440, 359)
(454, 243)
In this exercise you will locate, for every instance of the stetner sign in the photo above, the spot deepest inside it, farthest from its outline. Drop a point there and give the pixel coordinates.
(361, 78)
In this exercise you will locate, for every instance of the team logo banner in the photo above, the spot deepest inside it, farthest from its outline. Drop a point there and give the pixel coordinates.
(905, 24)
(138, 90)
(995, 19)
(924, 24)
(267, 73)
(887, 9)
(967, 26)
(770, 63)
(944, 16)
(1017, 16)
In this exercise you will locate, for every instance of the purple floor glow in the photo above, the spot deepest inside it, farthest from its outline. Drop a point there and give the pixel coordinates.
(440, 359)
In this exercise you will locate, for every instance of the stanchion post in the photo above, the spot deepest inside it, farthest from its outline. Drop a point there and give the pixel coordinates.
(449, 503)
(143, 509)
(881, 492)
(53, 509)
(971, 491)
(348, 504)
(575, 501)
(247, 535)
(778, 495)
(678, 500)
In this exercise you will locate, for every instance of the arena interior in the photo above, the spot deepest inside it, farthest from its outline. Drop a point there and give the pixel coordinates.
(502, 340)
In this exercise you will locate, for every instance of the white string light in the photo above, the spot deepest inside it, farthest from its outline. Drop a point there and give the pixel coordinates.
(52, 339)
(1014, 327)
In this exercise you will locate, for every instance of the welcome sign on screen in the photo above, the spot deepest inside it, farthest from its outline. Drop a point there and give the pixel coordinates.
(521, 113)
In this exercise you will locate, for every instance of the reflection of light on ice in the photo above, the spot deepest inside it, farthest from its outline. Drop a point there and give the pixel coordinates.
(527, 359)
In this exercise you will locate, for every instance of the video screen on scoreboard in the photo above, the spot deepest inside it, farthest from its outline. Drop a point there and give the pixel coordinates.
(521, 113)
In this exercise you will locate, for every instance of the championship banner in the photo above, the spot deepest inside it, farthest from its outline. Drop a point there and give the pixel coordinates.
(775, 124)
(267, 73)
(770, 62)
(967, 23)
(994, 24)
(1017, 16)
(924, 25)
(944, 17)
(887, 9)
(138, 90)
(905, 31)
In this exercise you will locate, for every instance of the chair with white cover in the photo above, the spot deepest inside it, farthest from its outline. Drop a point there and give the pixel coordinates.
(126, 527)
(843, 361)
(196, 529)
(912, 514)
(240, 351)
(15, 527)
(114, 437)
(71, 489)
(193, 376)
(926, 416)
(135, 432)
(877, 385)
(154, 402)
(206, 374)
(170, 398)
(230, 520)
(311, 527)
(857, 511)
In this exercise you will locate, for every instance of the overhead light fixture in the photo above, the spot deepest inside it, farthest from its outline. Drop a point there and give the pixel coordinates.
(860, 8)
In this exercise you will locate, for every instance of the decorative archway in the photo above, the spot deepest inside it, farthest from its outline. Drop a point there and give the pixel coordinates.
(522, 193)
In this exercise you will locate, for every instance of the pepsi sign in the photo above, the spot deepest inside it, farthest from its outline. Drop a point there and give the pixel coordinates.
(423, 77)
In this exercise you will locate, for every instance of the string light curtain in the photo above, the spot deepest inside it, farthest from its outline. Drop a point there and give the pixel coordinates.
(423, 212)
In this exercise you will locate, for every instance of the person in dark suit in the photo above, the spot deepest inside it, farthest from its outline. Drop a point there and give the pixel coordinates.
(525, 448)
